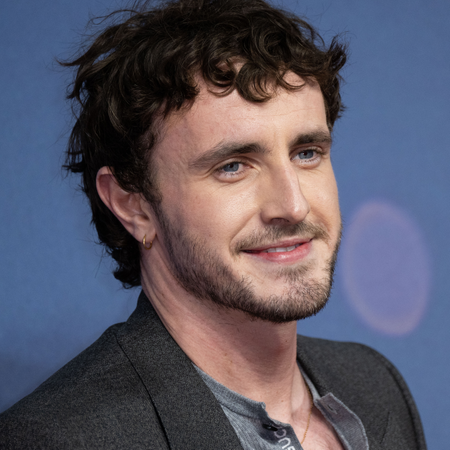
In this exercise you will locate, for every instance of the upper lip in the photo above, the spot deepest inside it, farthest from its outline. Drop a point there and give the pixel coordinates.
(281, 244)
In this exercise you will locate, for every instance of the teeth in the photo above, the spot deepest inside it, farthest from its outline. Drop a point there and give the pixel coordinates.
(281, 249)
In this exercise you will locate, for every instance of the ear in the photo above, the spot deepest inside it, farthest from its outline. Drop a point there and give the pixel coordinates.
(130, 208)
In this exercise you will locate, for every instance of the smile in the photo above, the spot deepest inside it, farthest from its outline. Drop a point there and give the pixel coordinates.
(282, 252)
(281, 249)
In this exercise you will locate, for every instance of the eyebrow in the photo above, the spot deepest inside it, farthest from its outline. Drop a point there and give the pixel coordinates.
(315, 137)
(224, 151)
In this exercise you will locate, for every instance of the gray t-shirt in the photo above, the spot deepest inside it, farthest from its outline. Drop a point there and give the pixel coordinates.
(257, 431)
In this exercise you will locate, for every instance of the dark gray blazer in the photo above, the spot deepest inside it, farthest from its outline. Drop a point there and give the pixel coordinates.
(134, 388)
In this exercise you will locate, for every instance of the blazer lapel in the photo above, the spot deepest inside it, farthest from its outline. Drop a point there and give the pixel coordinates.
(189, 413)
(328, 374)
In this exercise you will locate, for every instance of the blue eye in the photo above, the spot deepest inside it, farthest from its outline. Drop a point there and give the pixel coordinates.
(306, 154)
(231, 167)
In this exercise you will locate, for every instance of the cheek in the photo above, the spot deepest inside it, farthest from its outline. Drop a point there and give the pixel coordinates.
(322, 195)
(213, 213)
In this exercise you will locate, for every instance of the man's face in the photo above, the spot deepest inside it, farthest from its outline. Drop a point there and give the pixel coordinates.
(249, 217)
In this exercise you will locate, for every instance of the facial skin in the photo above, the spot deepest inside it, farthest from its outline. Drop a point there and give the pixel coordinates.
(240, 180)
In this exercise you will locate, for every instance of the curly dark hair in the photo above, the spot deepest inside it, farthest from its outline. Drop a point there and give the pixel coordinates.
(142, 66)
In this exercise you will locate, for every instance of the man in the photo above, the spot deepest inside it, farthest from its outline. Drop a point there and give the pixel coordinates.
(203, 137)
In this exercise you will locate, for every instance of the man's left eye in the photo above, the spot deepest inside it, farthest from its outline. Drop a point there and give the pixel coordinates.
(231, 167)
(307, 154)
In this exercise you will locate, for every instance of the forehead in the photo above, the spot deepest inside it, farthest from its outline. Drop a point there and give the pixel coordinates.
(213, 120)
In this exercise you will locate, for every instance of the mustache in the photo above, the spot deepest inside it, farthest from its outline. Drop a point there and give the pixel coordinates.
(272, 233)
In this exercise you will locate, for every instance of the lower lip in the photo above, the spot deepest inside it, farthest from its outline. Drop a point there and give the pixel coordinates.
(293, 256)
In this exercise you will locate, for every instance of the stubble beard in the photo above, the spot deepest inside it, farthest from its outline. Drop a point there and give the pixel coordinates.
(202, 273)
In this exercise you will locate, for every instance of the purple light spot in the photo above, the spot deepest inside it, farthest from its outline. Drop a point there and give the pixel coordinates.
(386, 268)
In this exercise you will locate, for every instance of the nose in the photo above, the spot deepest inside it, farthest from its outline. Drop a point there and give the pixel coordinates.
(282, 198)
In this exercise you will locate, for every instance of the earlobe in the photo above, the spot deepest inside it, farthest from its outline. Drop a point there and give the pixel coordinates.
(126, 206)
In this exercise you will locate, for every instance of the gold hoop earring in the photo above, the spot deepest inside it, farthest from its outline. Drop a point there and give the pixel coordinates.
(143, 243)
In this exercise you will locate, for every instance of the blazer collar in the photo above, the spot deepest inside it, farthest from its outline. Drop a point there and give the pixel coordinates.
(330, 374)
(193, 419)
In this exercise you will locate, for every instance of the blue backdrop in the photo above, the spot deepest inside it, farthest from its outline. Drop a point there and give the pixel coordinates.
(391, 157)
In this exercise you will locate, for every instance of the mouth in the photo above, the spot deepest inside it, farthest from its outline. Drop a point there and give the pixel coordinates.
(279, 247)
(286, 252)
(275, 249)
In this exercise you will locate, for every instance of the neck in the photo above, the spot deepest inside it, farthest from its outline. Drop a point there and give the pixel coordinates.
(255, 358)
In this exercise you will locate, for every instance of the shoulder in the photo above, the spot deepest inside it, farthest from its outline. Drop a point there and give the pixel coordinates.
(97, 391)
(368, 383)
